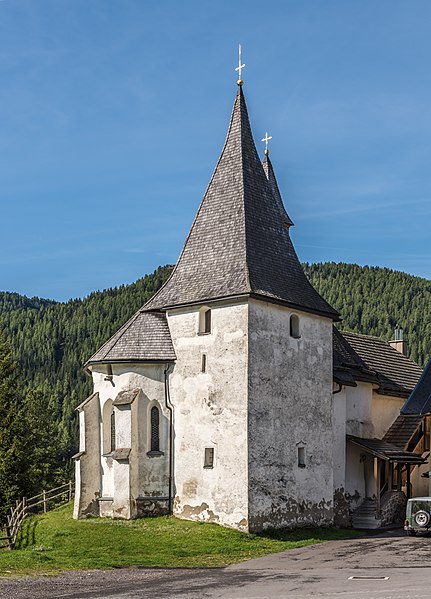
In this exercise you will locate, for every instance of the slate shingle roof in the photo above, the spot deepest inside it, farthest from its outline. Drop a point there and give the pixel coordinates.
(145, 337)
(239, 243)
(395, 373)
(419, 401)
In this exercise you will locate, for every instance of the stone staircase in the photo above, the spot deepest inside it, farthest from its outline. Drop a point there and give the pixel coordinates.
(364, 517)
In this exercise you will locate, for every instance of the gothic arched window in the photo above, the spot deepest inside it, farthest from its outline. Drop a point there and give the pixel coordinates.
(113, 430)
(155, 436)
(108, 427)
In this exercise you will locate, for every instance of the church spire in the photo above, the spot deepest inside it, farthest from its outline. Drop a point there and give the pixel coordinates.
(239, 243)
(270, 175)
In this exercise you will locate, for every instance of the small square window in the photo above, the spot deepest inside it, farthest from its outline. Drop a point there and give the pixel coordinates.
(209, 457)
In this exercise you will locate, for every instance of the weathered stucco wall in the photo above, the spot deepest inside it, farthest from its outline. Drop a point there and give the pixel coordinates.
(133, 486)
(87, 467)
(341, 503)
(384, 411)
(360, 481)
(210, 411)
(290, 407)
(359, 421)
(339, 447)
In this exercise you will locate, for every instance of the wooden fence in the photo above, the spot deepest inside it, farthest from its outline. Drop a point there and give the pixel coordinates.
(40, 503)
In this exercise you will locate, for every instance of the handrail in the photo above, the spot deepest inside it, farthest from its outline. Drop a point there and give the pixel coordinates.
(26, 505)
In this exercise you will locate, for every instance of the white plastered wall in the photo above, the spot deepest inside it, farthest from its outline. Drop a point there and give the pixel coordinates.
(210, 411)
(339, 447)
(290, 406)
(385, 410)
(127, 483)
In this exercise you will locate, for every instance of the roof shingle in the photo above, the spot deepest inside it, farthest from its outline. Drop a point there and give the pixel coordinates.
(145, 337)
(396, 374)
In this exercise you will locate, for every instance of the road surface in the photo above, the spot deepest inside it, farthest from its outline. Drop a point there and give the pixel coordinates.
(387, 566)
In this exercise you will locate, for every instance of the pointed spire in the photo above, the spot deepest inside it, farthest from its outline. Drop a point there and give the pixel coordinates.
(239, 243)
(270, 175)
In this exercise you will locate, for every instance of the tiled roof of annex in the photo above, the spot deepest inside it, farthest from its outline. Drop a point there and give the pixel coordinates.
(372, 359)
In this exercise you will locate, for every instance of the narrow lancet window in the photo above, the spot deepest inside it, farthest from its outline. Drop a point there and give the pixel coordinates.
(155, 437)
(113, 430)
(294, 326)
(204, 363)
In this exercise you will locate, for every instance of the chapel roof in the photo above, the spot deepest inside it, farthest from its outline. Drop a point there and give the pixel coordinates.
(419, 401)
(144, 338)
(239, 243)
(394, 373)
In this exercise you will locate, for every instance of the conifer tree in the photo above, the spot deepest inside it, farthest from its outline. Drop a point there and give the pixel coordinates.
(13, 458)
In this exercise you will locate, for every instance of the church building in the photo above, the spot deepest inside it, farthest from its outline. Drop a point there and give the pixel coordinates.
(230, 397)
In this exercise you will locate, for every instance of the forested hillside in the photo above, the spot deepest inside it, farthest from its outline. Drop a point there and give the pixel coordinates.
(373, 300)
(51, 340)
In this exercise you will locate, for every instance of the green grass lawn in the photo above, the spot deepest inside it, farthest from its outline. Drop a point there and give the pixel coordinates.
(54, 541)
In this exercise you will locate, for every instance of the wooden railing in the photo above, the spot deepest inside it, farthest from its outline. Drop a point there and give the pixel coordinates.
(39, 503)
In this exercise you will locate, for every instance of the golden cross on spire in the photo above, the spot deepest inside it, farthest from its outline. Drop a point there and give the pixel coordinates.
(266, 140)
(240, 66)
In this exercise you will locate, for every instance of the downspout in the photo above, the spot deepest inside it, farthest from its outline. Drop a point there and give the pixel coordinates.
(171, 437)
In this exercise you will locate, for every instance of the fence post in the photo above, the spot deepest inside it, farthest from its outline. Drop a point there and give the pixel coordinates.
(70, 490)
(45, 507)
(9, 532)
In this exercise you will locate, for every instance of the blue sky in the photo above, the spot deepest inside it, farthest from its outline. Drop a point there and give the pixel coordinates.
(114, 112)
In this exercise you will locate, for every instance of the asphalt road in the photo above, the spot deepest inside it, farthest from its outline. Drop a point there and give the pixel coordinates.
(388, 566)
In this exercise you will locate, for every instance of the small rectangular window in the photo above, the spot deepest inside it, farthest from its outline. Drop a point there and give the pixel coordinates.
(209, 457)
(204, 362)
(301, 457)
